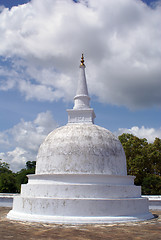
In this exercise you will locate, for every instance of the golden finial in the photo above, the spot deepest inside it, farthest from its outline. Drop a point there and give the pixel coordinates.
(82, 60)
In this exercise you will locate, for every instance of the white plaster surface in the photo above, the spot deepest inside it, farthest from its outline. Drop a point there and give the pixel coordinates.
(80, 186)
(81, 116)
(77, 220)
(81, 112)
(81, 100)
(81, 148)
(6, 200)
(59, 199)
(80, 207)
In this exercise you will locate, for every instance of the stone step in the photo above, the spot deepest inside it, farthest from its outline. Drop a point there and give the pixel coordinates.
(81, 207)
(80, 191)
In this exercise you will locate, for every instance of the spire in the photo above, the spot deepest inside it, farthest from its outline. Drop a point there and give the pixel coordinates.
(81, 100)
(81, 112)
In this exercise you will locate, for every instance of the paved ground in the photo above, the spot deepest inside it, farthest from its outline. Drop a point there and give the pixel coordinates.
(30, 231)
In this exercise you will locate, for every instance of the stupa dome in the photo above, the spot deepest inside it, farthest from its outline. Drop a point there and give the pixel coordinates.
(81, 148)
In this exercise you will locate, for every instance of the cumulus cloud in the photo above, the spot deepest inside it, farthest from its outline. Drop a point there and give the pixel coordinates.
(21, 143)
(149, 133)
(43, 41)
(1, 8)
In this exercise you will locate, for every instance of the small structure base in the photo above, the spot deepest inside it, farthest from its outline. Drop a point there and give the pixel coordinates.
(80, 199)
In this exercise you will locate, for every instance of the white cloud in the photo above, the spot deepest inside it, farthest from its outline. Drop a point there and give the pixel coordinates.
(21, 142)
(2, 8)
(149, 133)
(121, 40)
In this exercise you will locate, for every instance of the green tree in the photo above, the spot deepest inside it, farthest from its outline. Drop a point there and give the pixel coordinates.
(11, 182)
(143, 161)
(7, 179)
(151, 185)
(155, 155)
(21, 176)
(31, 165)
(8, 183)
(4, 167)
(136, 151)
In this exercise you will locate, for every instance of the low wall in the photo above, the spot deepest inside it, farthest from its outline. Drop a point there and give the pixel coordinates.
(6, 200)
(154, 201)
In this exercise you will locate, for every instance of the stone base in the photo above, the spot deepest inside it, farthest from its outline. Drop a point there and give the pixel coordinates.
(80, 199)
(76, 220)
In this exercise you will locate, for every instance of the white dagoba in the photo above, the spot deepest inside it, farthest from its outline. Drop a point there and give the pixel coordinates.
(80, 174)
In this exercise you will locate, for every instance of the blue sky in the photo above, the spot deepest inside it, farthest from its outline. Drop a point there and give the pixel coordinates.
(41, 46)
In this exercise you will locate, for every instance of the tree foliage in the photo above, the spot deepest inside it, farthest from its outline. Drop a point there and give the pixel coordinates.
(30, 165)
(143, 161)
(7, 179)
(21, 176)
(8, 183)
(152, 185)
(4, 167)
(11, 182)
